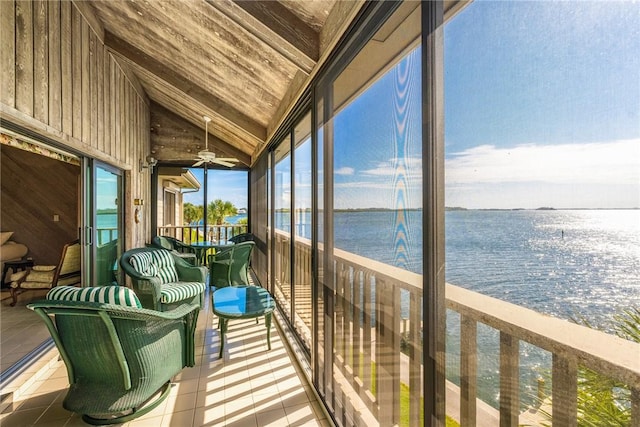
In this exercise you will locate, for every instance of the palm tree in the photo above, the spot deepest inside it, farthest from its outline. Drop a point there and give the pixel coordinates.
(603, 401)
(192, 213)
(218, 210)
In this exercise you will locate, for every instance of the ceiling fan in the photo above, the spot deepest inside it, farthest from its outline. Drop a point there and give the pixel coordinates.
(206, 156)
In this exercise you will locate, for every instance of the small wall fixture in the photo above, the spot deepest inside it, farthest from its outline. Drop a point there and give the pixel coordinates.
(138, 202)
(151, 162)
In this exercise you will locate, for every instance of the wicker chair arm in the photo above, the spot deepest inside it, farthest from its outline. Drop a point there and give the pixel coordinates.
(148, 290)
(190, 273)
(118, 310)
(181, 247)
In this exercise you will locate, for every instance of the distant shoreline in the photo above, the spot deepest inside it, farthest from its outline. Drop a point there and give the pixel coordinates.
(447, 208)
(457, 208)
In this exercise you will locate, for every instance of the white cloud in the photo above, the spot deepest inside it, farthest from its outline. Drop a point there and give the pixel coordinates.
(344, 171)
(364, 184)
(616, 162)
(589, 175)
(413, 167)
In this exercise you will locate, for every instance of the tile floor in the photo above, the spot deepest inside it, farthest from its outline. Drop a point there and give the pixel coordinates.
(249, 387)
(21, 330)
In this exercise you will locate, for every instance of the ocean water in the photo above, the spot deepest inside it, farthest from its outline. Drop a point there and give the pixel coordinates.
(564, 263)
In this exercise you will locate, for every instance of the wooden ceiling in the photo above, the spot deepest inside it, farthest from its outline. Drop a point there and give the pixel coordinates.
(242, 63)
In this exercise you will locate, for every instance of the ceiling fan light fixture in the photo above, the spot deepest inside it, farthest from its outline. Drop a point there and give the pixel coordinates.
(206, 156)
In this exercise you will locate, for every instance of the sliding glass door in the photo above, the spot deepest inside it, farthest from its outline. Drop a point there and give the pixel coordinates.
(103, 219)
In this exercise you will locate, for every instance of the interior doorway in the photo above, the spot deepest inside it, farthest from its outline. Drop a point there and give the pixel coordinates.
(40, 211)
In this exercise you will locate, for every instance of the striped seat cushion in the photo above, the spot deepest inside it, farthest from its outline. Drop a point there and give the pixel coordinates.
(155, 263)
(174, 292)
(116, 295)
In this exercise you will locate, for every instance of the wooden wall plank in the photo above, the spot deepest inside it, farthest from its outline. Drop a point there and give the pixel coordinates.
(127, 155)
(115, 130)
(117, 97)
(86, 84)
(40, 62)
(55, 77)
(100, 94)
(76, 53)
(93, 88)
(8, 57)
(124, 125)
(140, 137)
(112, 106)
(122, 119)
(88, 14)
(66, 67)
(127, 118)
(106, 82)
(24, 57)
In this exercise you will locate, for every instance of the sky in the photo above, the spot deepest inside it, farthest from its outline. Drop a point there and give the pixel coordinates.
(227, 185)
(542, 109)
(542, 105)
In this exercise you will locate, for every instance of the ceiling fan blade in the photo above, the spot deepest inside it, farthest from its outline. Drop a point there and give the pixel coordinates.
(227, 159)
(223, 163)
(198, 163)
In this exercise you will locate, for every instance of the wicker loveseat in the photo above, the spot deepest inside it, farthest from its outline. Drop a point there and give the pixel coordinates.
(162, 280)
(118, 355)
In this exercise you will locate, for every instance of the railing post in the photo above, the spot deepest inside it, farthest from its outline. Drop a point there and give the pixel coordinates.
(367, 393)
(468, 370)
(340, 327)
(387, 353)
(415, 353)
(564, 394)
(509, 381)
(349, 352)
(358, 279)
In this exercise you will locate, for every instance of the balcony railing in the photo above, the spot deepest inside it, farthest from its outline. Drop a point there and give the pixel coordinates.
(196, 233)
(369, 364)
(106, 235)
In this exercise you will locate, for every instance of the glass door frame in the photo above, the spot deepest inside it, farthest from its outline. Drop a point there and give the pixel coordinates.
(88, 233)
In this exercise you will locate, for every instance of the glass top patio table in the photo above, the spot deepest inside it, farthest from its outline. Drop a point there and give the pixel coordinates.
(201, 249)
(242, 302)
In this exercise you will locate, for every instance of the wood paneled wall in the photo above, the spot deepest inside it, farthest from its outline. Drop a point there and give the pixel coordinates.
(58, 80)
(30, 198)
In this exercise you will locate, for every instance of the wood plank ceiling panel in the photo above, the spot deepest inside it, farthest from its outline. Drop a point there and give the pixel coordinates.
(157, 74)
(232, 60)
(205, 47)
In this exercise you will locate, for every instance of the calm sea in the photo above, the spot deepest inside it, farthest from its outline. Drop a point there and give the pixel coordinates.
(565, 263)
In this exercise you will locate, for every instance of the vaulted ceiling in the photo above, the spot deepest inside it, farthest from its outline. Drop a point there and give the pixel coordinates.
(242, 63)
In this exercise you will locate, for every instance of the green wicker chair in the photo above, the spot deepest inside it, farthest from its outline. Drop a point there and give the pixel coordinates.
(162, 280)
(243, 237)
(185, 252)
(118, 355)
(230, 267)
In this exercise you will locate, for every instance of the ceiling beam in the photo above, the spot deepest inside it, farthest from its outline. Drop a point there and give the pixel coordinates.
(340, 18)
(272, 23)
(155, 67)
